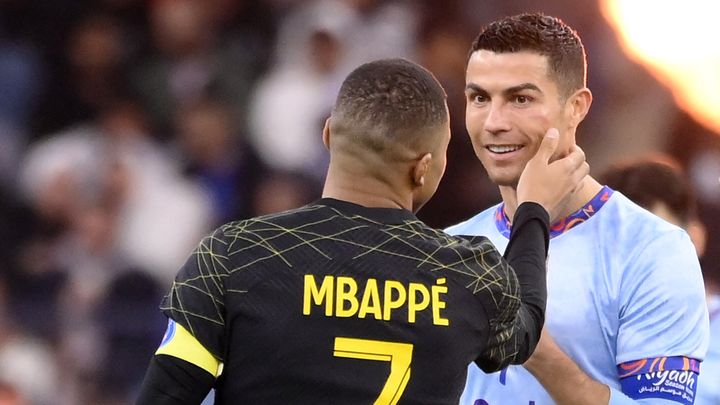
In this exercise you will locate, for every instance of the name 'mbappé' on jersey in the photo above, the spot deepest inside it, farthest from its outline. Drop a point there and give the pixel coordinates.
(338, 303)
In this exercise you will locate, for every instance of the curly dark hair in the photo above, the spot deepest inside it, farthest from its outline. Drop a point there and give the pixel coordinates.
(546, 35)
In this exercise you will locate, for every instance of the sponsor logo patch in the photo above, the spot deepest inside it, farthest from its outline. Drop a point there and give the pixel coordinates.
(672, 378)
(169, 333)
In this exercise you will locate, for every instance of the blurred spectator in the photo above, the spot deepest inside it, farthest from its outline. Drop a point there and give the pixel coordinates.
(290, 106)
(9, 395)
(704, 172)
(699, 151)
(20, 81)
(132, 16)
(119, 201)
(319, 42)
(113, 164)
(89, 76)
(131, 329)
(17, 224)
(366, 29)
(192, 62)
(281, 191)
(161, 214)
(28, 370)
(218, 157)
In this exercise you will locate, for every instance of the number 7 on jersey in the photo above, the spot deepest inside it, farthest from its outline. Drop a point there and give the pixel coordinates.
(398, 354)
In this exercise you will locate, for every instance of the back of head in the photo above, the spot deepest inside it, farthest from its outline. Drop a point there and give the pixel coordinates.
(387, 105)
(544, 35)
(654, 180)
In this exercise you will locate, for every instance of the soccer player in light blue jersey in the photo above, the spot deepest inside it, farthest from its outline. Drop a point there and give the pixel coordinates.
(626, 318)
(658, 184)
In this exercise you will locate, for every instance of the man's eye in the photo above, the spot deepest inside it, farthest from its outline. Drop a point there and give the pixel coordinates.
(480, 99)
(522, 99)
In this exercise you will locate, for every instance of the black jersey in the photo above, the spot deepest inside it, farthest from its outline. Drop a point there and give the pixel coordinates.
(334, 303)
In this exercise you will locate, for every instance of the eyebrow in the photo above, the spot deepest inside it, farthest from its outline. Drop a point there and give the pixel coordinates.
(521, 87)
(474, 87)
(510, 90)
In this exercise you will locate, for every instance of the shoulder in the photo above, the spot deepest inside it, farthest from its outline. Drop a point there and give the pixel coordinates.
(635, 227)
(644, 242)
(655, 256)
(621, 208)
(261, 230)
(476, 225)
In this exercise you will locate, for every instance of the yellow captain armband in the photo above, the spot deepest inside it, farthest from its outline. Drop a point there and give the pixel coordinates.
(178, 342)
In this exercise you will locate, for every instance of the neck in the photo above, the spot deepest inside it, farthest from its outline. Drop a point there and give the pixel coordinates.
(576, 200)
(365, 190)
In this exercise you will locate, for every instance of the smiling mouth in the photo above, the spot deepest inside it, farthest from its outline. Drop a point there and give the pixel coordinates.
(501, 149)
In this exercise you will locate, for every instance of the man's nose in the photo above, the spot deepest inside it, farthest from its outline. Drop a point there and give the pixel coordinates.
(496, 120)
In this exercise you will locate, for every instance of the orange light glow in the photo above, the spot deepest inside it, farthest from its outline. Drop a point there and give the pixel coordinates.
(679, 43)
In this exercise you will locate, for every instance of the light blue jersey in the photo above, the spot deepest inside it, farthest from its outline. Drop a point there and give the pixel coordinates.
(625, 299)
(709, 389)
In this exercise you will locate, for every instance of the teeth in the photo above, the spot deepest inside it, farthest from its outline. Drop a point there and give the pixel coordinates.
(503, 148)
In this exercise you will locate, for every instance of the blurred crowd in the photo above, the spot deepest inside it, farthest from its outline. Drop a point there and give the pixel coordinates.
(130, 128)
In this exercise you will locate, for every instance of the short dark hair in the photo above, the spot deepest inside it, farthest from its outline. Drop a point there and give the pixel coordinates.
(389, 99)
(651, 180)
(546, 35)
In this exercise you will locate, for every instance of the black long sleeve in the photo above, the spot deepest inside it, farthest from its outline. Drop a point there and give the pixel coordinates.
(527, 254)
(173, 381)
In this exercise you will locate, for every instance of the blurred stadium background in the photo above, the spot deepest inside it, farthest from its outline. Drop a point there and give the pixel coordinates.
(129, 128)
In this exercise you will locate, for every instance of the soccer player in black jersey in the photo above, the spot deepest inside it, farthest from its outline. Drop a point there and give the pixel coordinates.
(352, 299)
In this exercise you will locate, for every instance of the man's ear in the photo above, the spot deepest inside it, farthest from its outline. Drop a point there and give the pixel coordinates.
(326, 134)
(420, 169)
(579, 104)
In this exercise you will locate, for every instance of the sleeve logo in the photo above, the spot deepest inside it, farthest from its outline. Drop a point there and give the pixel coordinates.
(670, 378)
(169, 333)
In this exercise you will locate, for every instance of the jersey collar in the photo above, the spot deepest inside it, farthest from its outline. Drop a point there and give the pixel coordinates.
(502, 222)
(385, 215)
